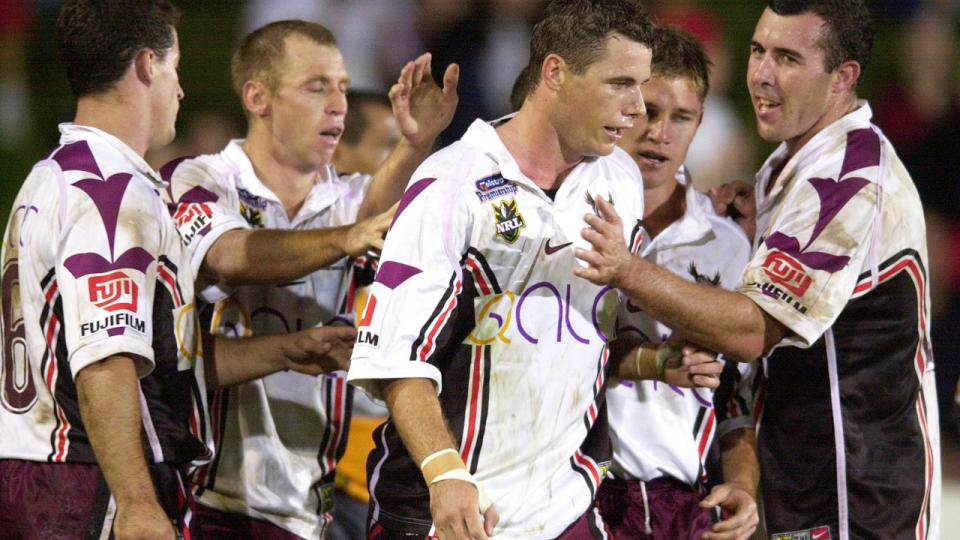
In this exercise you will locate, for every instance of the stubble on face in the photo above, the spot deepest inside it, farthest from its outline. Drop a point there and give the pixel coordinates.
(789, 86)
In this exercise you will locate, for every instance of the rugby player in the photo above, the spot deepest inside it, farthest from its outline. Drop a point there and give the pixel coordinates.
(269, 223)
(834, 296)
(490, 354)
(104, 398)
(661, 434)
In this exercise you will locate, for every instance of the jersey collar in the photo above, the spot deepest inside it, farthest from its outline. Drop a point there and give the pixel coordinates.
(483, 135)
(70, 132)
(323, 193)
(813, 152)
(692, 226)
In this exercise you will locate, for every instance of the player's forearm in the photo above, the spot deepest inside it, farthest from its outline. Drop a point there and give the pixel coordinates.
(257, 256)
(720, 320)
(229, 362)
(415, 411)
(109, 398)
(392, 177)
(738, 457)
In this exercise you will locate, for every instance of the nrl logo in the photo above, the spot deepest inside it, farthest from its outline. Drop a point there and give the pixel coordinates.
(509, 220)
(593, 203)
(252, 215)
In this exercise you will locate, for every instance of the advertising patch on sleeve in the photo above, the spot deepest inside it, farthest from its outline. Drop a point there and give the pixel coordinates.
(117, 294)
(785, 270)
(193, 219)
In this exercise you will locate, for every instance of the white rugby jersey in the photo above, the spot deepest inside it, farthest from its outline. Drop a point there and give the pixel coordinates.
(279, 437)
(475, 291)
(847, 432)
(93, 267)
(658, 429)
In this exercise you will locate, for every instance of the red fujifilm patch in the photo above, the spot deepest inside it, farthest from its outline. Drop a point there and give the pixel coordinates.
(786, 271)
(113, 292)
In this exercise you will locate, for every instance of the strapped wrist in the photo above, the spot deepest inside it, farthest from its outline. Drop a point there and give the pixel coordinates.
(646, 362)
(447, 465)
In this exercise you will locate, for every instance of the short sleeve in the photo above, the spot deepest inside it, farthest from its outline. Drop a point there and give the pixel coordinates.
(812, 253)
(106, 270)
(416, 287)
(206, 206)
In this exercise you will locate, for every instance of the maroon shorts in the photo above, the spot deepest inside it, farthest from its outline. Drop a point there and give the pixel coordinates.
(589, 526)
(216, 525)
(675, 513)
(72, 501)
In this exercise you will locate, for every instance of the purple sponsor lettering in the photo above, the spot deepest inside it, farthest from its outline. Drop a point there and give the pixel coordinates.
(563, 313)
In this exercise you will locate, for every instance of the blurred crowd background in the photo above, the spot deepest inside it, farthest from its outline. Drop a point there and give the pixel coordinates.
(912, 82)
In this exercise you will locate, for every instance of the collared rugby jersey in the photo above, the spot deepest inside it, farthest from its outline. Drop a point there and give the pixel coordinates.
(476, 291)
(93, 267)
(847, 433)
(279, 437)
(658, 429)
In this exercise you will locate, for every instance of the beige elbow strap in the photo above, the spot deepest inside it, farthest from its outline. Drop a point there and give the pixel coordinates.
(646, 363)
(447, 465)
(651, 362)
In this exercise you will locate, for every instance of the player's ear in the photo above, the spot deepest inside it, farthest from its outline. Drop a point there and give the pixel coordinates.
(845, 76)
(256, 98)
(143, 65)
(553, 71)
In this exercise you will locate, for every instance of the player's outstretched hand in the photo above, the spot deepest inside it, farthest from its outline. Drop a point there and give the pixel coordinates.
(319, 350)
(142, 521)
(693, 368)
(609, 259)
(422, 108)
(737, 200)
(369, 233)
(454, 505)
(742, 510)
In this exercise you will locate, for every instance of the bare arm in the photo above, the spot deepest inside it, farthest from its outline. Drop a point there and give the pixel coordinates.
(422, 110)
(689, 367)
(252, 256)
(415, 410)
(313, 351)
(109, 398)
(723, 321)
(738, 493)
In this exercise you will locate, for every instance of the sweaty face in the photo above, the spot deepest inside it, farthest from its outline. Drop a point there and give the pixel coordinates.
(789, 86)
(659, 141)
(308, 104)
(597, 106)
(167, 95)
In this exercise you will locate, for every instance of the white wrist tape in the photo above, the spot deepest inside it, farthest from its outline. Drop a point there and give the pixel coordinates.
(426, 461)
(483, 499)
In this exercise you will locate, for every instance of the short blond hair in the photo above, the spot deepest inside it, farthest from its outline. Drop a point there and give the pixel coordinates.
(261, 53)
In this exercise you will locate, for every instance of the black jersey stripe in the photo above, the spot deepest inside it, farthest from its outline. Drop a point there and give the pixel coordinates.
(433, 326)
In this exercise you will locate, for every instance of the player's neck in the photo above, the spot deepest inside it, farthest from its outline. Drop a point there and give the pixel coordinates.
(536, 146)
(840, 107)
(121, 118)
(663, 205)
(290, 184)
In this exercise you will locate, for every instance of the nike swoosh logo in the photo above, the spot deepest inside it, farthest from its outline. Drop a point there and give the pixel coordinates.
(551, 250)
